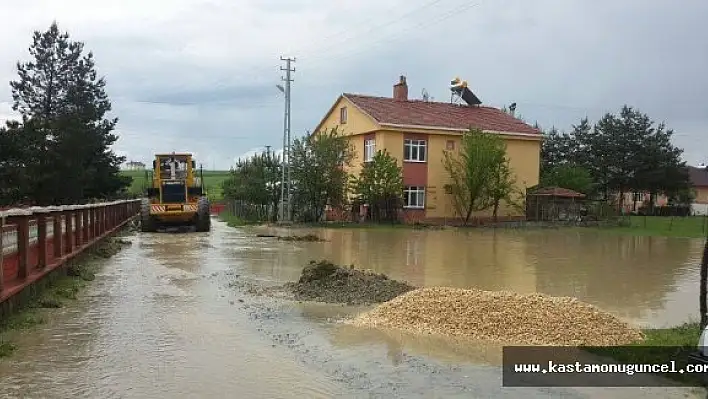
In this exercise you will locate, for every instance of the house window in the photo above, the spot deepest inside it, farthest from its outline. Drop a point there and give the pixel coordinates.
(343, 115)
(637, 197)
(414, 150)
(450, 145)
(369, 149)
(414, 197)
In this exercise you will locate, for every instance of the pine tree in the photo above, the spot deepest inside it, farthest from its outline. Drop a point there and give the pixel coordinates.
(380, 185)
(60, 95)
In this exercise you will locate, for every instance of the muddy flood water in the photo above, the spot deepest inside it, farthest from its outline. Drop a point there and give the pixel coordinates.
(167, 317)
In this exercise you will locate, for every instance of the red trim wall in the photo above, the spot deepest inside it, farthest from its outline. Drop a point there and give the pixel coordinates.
(416, 174)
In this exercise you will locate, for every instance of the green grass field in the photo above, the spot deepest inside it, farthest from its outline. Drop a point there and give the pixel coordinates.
(212, 182)
(665, 345)
(689, 226)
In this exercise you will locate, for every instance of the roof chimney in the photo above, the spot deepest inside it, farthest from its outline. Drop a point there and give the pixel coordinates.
(400, 90)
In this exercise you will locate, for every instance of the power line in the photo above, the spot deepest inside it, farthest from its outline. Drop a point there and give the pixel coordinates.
(377, 28)
(388, 11)
(443, 17)
(327, 57)
(320, 54)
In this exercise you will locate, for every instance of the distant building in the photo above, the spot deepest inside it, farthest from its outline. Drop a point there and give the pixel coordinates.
(134, 165)
(699, 181)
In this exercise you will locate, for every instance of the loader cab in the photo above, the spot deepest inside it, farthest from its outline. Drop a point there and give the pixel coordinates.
(173, 179)
(176, 196)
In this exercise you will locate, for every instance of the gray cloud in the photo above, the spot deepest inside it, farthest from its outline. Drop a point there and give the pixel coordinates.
(200, 75)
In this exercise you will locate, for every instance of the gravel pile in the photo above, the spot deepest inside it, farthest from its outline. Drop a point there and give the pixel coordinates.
(326, 282)
(503, 317)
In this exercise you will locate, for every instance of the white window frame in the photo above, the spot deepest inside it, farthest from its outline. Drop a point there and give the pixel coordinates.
(369, 149)
(343, 116)
(421, 150)
(408, 192)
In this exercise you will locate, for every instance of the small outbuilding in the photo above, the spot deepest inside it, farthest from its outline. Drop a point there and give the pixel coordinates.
(550, 204)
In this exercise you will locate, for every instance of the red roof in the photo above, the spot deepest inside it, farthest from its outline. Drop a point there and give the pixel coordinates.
(436, 114)
(698, 176)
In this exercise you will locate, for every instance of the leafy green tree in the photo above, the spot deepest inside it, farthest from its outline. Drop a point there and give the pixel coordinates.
(380, 185)
(568, 176)
(623, 153)
(502, 186)
(18, 162)
(474, 171)
(318, 173)
(255, 184)
(661, 170)
(553, 149)
(63, 105)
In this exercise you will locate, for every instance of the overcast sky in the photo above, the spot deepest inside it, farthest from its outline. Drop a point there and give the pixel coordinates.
(200, 75)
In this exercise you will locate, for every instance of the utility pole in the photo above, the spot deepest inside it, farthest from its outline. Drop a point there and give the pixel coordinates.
(286, 140)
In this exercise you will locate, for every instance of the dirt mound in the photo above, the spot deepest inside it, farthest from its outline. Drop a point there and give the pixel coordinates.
(305, 238)
(109, 247)
(501, 316)
(326, 282)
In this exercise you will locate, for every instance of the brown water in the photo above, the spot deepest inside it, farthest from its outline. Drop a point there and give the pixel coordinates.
(152, 327)
(160, 322)
(651, 281)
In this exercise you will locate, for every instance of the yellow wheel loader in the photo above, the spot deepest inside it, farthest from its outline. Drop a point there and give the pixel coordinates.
(175, 197)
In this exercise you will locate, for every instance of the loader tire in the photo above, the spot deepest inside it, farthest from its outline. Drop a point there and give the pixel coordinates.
(148, 224)
(203, 215)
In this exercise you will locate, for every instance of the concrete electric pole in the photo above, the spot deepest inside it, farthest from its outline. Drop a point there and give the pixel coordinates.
(286, 178)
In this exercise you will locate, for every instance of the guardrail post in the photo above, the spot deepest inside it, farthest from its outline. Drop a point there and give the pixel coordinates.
(85, 225)
(2, 248)
(41, 239)
(101, 220)
(58, 233)
(76, 215)
(22, 223)
(94, 223)
(69, 226)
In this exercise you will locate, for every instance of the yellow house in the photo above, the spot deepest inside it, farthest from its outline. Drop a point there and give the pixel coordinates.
(417, 133)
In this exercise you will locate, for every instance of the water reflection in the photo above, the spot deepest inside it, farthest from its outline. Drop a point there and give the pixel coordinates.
(648, 280)
(449, 350)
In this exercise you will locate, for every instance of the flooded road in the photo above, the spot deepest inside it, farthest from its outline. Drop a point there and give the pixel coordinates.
(164, 319)
(151, 326)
